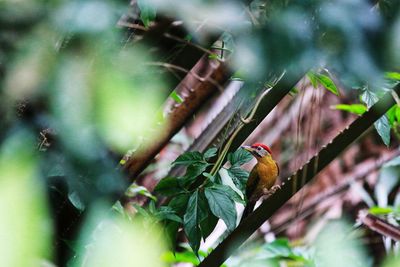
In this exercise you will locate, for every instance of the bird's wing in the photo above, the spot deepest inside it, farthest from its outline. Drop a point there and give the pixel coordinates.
(277, 166)
(252, 183)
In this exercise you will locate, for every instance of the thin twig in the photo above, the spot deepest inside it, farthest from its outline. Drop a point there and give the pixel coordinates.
(181, 69)
(379, 225)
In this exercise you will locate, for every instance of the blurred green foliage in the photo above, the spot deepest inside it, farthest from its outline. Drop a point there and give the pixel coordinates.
(75, 95)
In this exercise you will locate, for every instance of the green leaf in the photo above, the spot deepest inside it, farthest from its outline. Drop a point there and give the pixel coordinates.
(369, 98)
(208, 224)
(167, 213)
(222, 206)
(141, 211)
(147, 12)
(229, 192)
(278, 248)
(375, 210)
(189, 158)
(181, 257)
(239, 157)
(192, 172)
(211, 152)
(179, 203)
(135, 190)
(383, 127)
(327, 82)
(313, 79)
(393, 75)
(171, 229)
(176, 97)
(194, 214)
(168, 186)
(239, 177)
(358, 109)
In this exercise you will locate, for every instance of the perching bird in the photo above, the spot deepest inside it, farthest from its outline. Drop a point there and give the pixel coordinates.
(262, 177)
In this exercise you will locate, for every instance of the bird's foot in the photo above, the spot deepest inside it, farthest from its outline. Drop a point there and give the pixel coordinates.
(272, 190)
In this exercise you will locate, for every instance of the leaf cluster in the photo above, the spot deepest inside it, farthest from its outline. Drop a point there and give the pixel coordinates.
(199, 198)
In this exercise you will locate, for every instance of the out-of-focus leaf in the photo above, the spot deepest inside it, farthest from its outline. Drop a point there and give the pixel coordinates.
(135, 190)
(392, 163)
(388, 179)
(147, 12)
(74, 198)
(278, 248)
(176, 97)
(239, 157)
(393, 115)
(393, 75)
(313, 79)
(221, 206)
(168, 186)
(358, 109)
(327, 83)
(376, 210)
(111, 241)
(211, 152)
(25, 228)
(181, 257)
(348, 250)
(189, 158)
(195, 212)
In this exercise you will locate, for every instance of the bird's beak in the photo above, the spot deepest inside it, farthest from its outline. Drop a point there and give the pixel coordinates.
(248, 148)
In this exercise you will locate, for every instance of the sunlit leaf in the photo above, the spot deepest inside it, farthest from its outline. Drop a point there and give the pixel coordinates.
(112, 241)
(376, 210)
(25, 228)
(358, 109)
(327, 83)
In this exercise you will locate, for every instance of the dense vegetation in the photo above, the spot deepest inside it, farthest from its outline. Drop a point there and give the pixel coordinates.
(121, 126)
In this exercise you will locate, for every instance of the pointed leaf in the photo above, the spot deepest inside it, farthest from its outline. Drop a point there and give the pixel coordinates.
(211, 152)
(191, 220)
(188, 158)
(239, 157)
(192, 172)
(168, 186)
(239, 177)
(382, 126)
(221, 206)
(313, 79)
(327, 82)
(358, 109)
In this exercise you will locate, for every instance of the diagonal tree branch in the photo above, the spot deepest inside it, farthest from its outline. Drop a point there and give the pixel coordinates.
(379, 225)
(295, 182)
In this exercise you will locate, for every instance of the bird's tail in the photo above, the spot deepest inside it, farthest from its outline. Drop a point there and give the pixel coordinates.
(247, 210)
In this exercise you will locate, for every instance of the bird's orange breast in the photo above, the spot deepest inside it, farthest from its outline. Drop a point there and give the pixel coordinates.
(267, 171)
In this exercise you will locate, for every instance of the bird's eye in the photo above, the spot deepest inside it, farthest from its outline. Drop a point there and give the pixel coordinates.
(258, 148)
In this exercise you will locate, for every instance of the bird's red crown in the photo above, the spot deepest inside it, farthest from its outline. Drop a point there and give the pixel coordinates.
(263, 146)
